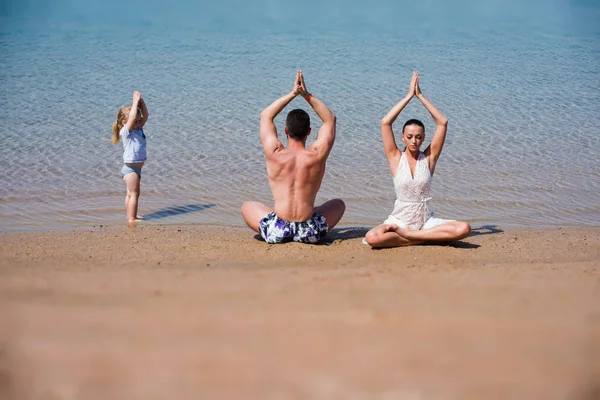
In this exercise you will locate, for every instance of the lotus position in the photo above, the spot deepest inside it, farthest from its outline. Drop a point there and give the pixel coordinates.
(412, 221)
(295, 174)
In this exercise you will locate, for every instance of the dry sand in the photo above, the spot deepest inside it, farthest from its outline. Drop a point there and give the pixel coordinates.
(204, 312)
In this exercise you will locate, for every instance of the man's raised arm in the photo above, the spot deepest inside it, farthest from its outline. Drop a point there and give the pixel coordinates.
(268, 131)
(326, 135)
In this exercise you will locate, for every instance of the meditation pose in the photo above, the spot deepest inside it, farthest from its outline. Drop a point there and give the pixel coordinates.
(128, 126)
(295, 174)
(412, 221)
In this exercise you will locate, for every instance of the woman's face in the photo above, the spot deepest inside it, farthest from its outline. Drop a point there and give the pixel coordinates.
(413, 137)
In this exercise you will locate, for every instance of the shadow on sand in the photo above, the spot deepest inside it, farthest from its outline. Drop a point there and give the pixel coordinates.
(347, 233)
(177, 210)
(485, 230)
(458, 244)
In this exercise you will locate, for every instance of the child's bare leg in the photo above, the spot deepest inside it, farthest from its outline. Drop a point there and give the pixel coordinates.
(447, 232)
(132, 181)
(388, 236)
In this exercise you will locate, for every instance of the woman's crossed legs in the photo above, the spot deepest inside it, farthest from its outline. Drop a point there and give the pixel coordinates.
(392, 235)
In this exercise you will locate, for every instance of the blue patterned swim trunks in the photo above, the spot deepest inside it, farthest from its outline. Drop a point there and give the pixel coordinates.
(276, 230)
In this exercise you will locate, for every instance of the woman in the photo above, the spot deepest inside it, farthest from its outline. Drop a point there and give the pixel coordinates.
(412, 222)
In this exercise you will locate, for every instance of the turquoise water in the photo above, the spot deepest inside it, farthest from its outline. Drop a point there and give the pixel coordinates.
(519, 82)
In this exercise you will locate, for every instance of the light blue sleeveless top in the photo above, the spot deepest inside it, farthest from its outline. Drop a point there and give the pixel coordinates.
(134, 144)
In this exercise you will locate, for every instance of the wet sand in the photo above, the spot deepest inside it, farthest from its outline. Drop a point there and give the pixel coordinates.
(206, 312)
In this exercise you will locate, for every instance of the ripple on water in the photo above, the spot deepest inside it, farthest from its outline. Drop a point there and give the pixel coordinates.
(513, 156)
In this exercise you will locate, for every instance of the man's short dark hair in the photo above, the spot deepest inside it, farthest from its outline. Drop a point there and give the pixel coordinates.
(297, 124)
(413, 122)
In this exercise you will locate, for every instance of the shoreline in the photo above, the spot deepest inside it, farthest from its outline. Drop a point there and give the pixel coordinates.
(104, 240)
(182, 312)
(241, 226)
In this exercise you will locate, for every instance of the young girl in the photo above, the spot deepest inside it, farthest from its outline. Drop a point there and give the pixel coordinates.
(129, 124)
(411, 221)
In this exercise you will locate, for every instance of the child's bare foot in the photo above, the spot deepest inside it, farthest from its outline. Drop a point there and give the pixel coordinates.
(134, 220)
(139, 217)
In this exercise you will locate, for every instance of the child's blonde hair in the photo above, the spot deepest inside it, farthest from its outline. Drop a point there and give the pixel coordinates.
(122, 116)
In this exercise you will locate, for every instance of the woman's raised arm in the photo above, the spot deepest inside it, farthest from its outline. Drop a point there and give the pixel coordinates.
(391, 150)
(434, 150)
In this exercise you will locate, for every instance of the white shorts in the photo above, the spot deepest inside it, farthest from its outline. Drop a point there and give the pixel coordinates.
(432, 222)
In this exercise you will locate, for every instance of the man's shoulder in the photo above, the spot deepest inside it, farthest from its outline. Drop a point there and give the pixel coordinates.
(309, 154)
(318, 151)
(287, 156)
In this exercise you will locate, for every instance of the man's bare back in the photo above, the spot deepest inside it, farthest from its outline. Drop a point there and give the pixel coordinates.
(295, 173)
(295, 176)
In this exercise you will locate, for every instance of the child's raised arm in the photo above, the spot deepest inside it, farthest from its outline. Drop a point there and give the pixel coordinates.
(144, 110)
(133, 113)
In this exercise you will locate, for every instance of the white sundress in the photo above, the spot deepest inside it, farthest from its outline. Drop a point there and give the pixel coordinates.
(412, 195)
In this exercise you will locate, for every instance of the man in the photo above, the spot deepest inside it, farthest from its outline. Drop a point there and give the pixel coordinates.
(295, 174)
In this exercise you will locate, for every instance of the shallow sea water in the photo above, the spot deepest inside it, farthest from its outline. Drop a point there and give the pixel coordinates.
(518, 81)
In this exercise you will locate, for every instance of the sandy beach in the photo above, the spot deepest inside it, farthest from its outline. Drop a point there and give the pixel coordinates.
(209, 312)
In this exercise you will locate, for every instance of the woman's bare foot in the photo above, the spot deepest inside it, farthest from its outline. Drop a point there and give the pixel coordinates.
(406, 235)
(134, 220)
(400, 231)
